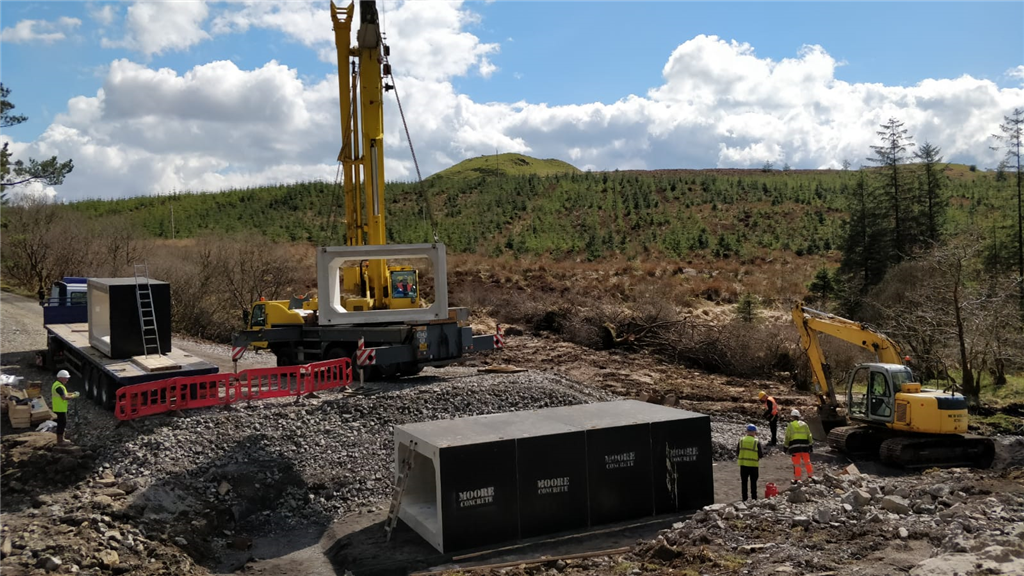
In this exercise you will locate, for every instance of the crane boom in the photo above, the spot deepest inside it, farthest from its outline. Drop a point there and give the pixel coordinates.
(368, 304)
(360, 92)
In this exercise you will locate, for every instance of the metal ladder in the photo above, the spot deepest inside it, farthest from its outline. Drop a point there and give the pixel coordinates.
(404, 468)
(147, 316)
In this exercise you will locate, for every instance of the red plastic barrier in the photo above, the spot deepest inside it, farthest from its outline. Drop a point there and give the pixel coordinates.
(221, 389)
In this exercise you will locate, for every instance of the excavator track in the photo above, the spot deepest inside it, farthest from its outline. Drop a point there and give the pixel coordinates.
(940, 451)
(913, 451)
(858, 441)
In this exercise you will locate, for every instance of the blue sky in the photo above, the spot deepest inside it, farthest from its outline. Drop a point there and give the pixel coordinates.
(716, 84)
(573, 52)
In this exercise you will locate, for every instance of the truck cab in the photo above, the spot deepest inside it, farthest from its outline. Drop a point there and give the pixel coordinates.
(67, 302)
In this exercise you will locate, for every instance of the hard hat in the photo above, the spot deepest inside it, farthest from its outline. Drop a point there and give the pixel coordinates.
(63, 374)
(795, 413)
(751, 428)
(761, 395)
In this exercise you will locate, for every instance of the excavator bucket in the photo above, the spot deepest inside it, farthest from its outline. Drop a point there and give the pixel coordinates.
(823, 423)
(817, 428)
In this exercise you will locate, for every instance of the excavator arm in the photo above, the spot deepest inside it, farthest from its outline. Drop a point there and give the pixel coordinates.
(810, 323)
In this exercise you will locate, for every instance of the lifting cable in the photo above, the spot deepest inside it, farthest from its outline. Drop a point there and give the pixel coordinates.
(401, 112)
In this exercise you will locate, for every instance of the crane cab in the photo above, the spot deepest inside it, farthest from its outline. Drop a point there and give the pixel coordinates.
(405, 288)
(401, 288)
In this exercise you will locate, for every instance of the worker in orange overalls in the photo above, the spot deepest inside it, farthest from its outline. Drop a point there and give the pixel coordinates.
(771, 413)
(799, 444)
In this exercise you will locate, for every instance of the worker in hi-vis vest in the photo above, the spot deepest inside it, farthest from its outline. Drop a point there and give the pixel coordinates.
(59, 398)
(749, 453)
(799, 444)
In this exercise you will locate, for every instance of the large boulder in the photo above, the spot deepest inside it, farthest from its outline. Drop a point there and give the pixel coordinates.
(896, 505)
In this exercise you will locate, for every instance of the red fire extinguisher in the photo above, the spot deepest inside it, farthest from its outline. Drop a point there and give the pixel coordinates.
(770, 490)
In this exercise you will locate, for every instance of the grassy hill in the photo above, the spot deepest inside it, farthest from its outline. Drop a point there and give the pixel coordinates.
(509, 164)
(678, 214)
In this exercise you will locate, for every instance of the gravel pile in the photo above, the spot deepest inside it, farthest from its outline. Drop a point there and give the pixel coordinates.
(726, 433)
(837, 519)
(277, 464)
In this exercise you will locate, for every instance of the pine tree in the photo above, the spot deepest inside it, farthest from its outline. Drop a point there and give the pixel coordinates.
(50, 172)
(1011, 138)
(747, 308)
(891, 154)
(866, 242)
(933, 209)
(823, 286)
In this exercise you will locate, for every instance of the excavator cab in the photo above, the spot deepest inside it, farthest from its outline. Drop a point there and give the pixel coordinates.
(871, 394)
(872, 390)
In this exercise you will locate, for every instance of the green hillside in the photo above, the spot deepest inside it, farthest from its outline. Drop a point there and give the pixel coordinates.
(670, 213)
(510, 164)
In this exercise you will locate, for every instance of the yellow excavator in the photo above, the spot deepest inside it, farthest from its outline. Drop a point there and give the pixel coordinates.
(888, 414)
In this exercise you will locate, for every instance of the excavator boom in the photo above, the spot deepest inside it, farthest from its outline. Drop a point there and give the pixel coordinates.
(810, 322)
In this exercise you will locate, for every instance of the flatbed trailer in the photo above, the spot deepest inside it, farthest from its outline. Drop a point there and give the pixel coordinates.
(67, 346)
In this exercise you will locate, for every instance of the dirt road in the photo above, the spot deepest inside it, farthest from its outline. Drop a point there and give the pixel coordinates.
(21, 328)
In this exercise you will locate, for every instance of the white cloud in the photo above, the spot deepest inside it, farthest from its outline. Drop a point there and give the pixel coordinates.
(44, 31)
(427, 38)
(156, 27)
(104, 15)
(150, 131)
(1017, 72)
(306, 23)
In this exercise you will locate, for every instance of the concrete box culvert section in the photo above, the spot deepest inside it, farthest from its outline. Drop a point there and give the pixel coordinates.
(488, 479)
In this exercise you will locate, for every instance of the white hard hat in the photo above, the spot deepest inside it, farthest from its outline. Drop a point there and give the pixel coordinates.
(63, 374)
(795, 413)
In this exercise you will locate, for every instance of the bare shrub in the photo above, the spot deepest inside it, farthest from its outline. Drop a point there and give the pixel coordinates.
(117, 246)
(214, 278)
(42, 243)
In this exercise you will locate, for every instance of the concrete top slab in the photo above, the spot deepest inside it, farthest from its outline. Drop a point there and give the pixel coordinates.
(121, 281)
(547, 421)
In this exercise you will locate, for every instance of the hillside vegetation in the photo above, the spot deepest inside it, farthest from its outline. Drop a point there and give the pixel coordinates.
(509, 164)
(625, 259)
(679, 214)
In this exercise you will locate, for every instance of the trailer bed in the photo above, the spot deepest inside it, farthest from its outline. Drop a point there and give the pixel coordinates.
(133, 370)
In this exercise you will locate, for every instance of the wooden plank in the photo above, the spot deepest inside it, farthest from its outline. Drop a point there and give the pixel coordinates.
(156, 363)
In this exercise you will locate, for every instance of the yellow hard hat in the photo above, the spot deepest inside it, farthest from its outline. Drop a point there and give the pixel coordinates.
(761, 395)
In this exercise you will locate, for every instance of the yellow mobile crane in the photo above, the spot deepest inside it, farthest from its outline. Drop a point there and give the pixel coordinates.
(892, 416)
(363, 303)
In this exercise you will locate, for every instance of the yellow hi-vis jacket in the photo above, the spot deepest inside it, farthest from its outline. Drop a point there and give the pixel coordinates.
(59, 404)
(749, 451)
(798, 437)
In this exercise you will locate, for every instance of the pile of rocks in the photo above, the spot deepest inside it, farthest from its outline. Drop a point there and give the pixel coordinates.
(277, 464)
(80, 531)
(841, 518)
